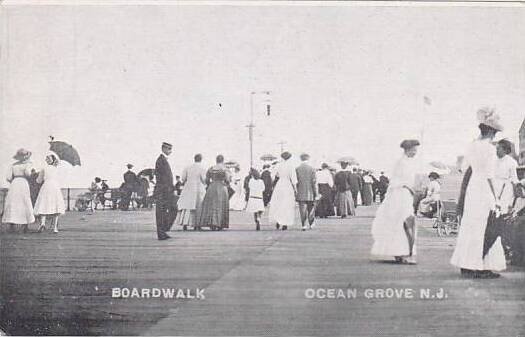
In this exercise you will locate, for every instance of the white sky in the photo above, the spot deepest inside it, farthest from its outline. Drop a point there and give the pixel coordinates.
(116, 81)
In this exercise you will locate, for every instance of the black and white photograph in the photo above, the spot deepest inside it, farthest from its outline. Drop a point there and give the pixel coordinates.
(262, 168)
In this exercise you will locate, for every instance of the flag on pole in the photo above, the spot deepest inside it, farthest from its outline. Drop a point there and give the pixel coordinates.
(427, 100)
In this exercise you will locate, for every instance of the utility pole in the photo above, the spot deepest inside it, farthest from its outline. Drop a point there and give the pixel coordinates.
(251, 126)
(281, 143)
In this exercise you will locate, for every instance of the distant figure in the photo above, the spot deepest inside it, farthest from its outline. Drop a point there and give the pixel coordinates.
(255, 202)
(355, 185)
(344, 201)
(166, 209)
(237, 200)
(34, 186)
(266, 177)
(142, 191)
(50, 201)
(129, 186)
(214, 212)
(178, 186)
(18, 209)
(428, 206)
(97, 193)
(190, 201)
(307, 191)
(366, 191)
(282, 208)
(325, 184)
(383, 186)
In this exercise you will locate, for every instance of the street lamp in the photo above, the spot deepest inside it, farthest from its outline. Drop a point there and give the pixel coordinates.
(252, 125)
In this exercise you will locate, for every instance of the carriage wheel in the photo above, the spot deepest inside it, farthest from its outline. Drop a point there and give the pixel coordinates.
(447, 229)
(184, 228)
(441, 229)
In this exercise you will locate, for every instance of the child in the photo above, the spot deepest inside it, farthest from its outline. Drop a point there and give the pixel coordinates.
(50, 200)
(255, 201)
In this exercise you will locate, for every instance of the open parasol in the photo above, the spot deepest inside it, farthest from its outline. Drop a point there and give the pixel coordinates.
(348, 159)
(65, 151)
(268, 157)
(231, 164)
(150, 172)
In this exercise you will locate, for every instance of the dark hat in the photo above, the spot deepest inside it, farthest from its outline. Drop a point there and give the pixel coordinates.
(286, 155)
(324, 165)
(168, 145)
(434, 175)
(409, 143)
(305, 156)
(22, 154)
(130, 166)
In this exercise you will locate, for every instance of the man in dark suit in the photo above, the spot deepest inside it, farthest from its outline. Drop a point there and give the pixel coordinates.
(355, 185)
(383, 186)
(130, 183)
(306, 191)
(164, 194)
(266, 177)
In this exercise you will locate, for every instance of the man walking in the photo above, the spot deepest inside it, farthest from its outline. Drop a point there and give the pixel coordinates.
(306, 191)
(164, 194)
(355, 185)
(129, 186)
(383, 186)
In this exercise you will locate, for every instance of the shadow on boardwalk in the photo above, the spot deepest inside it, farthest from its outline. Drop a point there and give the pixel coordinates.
(255, 283)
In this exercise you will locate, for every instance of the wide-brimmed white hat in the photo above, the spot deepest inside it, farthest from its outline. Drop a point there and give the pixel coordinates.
(488, 116)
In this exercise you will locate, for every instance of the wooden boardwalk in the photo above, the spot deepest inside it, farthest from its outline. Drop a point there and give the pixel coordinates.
(255, 283)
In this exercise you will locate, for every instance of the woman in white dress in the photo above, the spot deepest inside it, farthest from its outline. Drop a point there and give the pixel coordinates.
(393, 228)
(428, 206)
(190, 201)
(480, 199)
(255, 201)
(506, 176)
(237, 201)
(18, 209)
(282, 204)
(50, 201)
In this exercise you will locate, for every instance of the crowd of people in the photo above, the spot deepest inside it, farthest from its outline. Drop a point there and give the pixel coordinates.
(208, 195)
(203, 197)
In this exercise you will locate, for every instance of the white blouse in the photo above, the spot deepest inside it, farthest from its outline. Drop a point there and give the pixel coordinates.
(324, 177)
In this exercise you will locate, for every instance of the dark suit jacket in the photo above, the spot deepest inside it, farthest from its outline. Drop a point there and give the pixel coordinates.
(130, 180)
(164, 184)
(266, 177)
(306, 183)
(355, 183)
(342, 181)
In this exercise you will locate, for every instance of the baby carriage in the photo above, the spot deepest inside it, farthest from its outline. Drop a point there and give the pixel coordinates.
(447, 220)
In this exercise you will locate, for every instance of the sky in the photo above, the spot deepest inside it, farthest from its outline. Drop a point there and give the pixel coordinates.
(118, 80)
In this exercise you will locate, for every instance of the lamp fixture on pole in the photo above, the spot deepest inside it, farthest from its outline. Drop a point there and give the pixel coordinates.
(252, 124)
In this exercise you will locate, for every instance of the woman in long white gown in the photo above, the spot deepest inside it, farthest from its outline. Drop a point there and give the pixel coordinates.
(18, 209)
(190, 201)
(50, 201)
(282, 204)
(480, 199)
(237, 201)
(393, 228)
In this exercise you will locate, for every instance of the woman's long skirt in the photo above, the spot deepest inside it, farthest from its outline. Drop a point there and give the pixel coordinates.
(282, 205)
(388, 229)
(325, 207)
(18, 208)
(367, 194)
(468, 253)
(215, 207)
(344, 203)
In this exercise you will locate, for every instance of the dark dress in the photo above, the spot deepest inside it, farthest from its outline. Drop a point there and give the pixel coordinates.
(214, 212)
(325, 208)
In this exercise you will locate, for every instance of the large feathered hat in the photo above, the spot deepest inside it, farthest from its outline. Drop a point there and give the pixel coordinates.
(487, 116)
